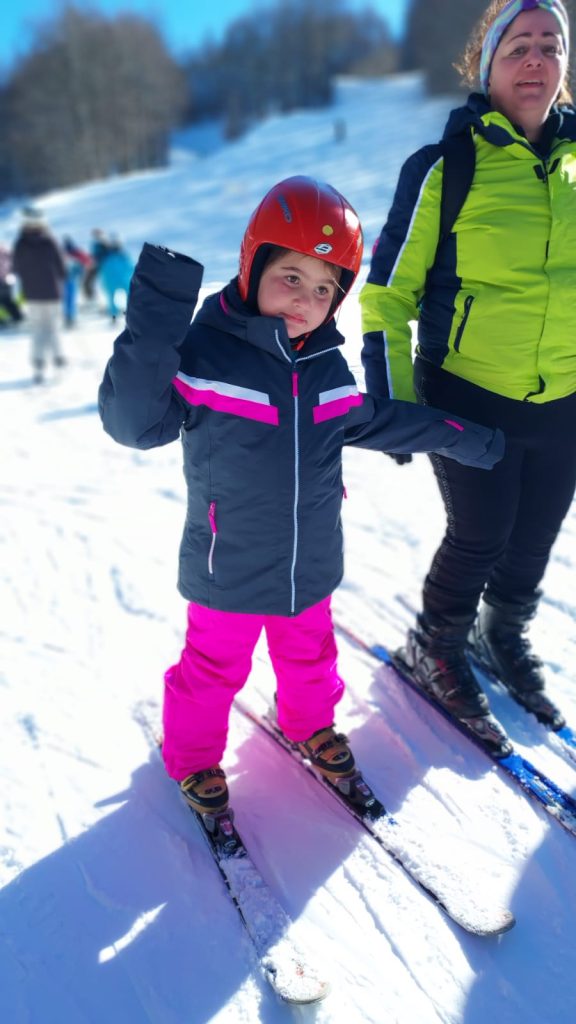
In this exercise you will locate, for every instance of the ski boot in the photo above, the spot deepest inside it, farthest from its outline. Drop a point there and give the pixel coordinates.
(435, 657)
(329, 753)
(206, 794)
(500, 642)
(206, 791)
(38, 371)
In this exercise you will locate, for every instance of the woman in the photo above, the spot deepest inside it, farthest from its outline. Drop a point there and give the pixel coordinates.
(496, 305)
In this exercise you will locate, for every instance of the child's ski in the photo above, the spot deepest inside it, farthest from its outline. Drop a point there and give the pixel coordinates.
(554, 800)
(289, 970)
(407, 848)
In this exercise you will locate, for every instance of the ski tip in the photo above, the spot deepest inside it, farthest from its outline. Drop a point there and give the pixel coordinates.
(294, 980)
(494, 925)
(505, 924)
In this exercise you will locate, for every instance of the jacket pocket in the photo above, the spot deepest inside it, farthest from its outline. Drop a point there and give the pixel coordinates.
(214, 532)
(462, 326)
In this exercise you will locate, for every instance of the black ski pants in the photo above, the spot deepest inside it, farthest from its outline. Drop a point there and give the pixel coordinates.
(501, 523)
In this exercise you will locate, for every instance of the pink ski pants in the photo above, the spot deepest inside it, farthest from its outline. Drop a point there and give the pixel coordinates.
(215, 664)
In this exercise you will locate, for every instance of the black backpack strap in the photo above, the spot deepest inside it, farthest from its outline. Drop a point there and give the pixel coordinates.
(457, 177)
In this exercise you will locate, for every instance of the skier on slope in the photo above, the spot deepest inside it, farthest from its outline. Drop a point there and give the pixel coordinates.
(264, 400)
(495, 305)
(39, 264)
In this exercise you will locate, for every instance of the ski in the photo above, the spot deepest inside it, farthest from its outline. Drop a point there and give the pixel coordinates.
(563, 739)
(551, 798)
(408, 848)
(287, 969)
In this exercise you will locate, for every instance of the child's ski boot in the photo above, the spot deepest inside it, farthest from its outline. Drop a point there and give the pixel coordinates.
(206, 791)
(329, 752)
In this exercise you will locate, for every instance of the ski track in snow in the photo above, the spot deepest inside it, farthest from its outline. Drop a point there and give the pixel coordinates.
(110, 906)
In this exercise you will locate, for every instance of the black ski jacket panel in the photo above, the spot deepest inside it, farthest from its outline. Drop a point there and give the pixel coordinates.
(262, 428)
(38, 262)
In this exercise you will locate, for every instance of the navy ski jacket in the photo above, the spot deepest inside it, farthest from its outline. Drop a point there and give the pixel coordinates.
(262, 428)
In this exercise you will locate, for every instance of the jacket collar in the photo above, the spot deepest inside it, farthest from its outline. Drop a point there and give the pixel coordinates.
(499, 131)
(226, 311)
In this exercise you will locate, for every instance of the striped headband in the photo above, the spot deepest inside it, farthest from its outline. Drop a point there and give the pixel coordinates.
(506, 16)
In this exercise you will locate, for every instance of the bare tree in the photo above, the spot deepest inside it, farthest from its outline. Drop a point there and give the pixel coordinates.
(93, 96)
(436, 32)
(283, 57)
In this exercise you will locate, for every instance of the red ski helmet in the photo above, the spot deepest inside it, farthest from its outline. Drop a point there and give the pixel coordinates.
(308, 217)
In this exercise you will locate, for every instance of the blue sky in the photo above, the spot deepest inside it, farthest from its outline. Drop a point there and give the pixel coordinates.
(185, 25)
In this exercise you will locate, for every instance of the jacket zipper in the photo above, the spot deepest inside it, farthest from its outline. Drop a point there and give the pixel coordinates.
(295, 397)
(467, 307)
(212, 521)
(296, 490)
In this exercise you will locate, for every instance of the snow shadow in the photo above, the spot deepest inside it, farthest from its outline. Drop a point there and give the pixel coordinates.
(404, 737)
(123, 923)
(17, 385)
(298, 834)
(521, 975)
(90, 409)
(529, 979)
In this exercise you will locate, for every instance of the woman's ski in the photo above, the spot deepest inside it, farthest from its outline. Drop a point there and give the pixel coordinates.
(554, 800)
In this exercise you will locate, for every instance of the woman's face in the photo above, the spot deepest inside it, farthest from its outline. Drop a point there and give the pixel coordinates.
(528, 70)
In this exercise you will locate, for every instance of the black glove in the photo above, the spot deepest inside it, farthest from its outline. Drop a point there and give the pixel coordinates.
(400, 458)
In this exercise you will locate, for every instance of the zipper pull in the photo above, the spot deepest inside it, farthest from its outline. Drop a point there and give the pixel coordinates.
(212, 516)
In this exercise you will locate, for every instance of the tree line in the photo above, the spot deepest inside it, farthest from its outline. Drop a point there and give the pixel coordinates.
(94, 96)
(286, 57)
(97, 95)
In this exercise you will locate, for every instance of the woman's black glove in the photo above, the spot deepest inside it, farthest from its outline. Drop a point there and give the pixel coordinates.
(400, 458)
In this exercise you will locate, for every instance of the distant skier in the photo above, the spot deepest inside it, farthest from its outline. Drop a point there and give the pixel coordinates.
(10, 310)
(78, 263)
(497, 321)
(264, 401)
(39, 264)
(114, 268)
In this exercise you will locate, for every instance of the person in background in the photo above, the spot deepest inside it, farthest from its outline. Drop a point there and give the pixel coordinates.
(496, 324)
(39, 264)
(10, 311)
(260, 394)
(78, 263)
(114, 268)
(90, 277)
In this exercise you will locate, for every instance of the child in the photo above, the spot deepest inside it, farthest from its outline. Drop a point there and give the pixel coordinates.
(78, 263)
(264, 401)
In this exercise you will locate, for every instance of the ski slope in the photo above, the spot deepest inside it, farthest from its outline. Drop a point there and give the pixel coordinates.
(110, 907)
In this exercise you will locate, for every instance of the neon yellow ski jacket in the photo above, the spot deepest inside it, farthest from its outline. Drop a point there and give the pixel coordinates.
(496, 301)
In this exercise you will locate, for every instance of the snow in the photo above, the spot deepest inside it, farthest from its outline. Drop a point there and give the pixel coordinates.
(110, 906)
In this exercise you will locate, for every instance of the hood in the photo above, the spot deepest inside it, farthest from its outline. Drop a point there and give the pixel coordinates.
(226, 311)
(37, 236)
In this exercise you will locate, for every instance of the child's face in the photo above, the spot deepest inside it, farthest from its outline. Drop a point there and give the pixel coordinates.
(300, 289)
